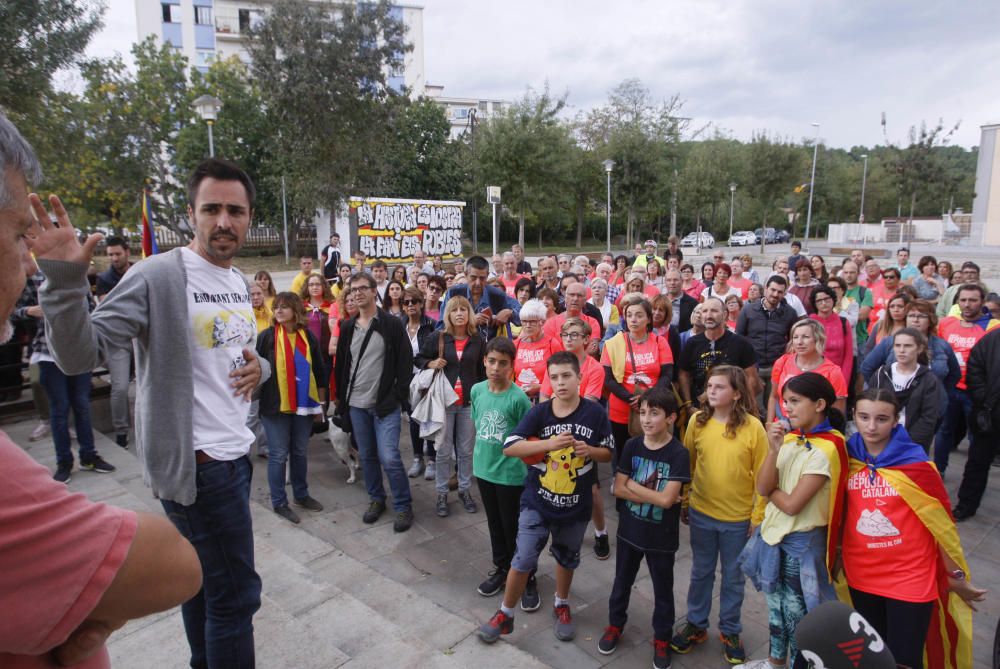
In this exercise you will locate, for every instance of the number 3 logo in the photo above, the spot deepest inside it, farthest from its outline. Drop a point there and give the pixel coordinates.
(859, 624)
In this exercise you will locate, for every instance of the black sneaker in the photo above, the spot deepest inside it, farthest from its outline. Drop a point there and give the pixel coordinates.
(97, 464)
(732, 648)
(609, 641)
(403, 522)
(309, 504)
(441, 508)
(375, 510)
(469, 504)
(499, 624)
(602, 549)
(963, 513)
(63, 472)
(494, 583)
(564, 629)
(530, 601)
(287, 514)
(661, 654)
(689, 637)
(122, 440)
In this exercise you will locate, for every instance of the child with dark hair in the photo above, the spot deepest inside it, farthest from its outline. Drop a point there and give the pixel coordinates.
(790, 556)
(652, 469)
(559, 440)
(497, 407)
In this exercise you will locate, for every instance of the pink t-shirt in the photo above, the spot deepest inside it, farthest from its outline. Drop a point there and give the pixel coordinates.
(59, 553)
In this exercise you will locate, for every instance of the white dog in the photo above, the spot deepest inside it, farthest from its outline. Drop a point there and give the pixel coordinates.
(341, 442)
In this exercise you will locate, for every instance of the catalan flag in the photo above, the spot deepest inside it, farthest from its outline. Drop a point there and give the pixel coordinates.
(149, 246)
(801, 188)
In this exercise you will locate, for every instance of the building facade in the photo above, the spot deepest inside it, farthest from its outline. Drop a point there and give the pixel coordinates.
(463, 112)
(206, 30)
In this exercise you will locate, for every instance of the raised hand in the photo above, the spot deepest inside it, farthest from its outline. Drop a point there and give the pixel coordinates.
(59, 243)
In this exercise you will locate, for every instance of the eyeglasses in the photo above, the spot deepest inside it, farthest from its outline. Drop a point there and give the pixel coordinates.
(917, 315)
(530, 322)
(573, 335)
(410, 303)
(359, 289)
(890, 276)
(434, 287)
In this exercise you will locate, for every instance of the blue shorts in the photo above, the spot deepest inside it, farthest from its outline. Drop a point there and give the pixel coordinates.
(533, 532)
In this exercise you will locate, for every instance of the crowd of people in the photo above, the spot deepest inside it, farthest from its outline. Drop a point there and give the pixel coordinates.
(799, 420)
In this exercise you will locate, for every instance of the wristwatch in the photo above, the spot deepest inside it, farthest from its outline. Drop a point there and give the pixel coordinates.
(958, 574)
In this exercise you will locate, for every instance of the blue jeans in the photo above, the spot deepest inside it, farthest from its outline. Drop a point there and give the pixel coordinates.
(287, 440)
(710, 540)
(959, 410)
(378, 449)
(219, 619)
(65, 392)
(459, 439)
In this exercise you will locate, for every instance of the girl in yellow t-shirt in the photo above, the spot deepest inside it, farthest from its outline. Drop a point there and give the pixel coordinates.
(728, 446)
(803, 479)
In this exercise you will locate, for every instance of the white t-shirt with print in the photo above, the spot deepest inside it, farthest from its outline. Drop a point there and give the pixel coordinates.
(221, 324)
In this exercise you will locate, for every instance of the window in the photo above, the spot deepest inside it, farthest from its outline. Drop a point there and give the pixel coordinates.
(203, 16)
(204, 58)
(250, 19)
(460, 112)
(171, 13)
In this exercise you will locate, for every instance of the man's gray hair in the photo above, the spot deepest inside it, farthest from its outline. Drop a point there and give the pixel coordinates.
(17, 155)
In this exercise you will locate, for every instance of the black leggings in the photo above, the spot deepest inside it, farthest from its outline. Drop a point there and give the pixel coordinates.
(903, 625)
(620, 433)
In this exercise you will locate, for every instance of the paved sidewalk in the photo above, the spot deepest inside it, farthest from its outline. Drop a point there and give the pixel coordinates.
(338, 593)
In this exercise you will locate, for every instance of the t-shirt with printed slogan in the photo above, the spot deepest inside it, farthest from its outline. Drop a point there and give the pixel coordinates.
(649, 357)
(961, 337)
(646, 526)
(887, 549)
(494, 415)
(591, 379)
(559, 487)
(222, 324)
(529, 363)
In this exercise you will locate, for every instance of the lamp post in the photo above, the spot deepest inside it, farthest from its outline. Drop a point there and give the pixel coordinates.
(608, 166)
(475, 208)
(732, 201)
(812, 184)
(861, 215)
(208, 108)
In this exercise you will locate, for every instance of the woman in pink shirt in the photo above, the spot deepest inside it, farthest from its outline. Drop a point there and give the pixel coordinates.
(839, 347)
(689, 284)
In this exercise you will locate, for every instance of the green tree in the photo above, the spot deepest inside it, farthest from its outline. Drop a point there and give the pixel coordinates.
(422, 163)
(774, 168)
(37, 39)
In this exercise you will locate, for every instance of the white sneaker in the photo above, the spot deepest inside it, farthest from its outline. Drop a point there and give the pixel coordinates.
(41, 431)
(431, 472)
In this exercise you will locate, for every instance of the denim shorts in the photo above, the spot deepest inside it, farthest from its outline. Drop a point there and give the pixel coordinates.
(533, 532)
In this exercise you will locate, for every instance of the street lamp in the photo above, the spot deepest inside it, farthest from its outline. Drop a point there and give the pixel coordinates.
(208, 108)
(608, 166)
(812, 184)
(861, 216)
(732, 200)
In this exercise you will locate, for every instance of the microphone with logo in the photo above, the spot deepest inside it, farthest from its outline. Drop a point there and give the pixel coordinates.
(835, 636)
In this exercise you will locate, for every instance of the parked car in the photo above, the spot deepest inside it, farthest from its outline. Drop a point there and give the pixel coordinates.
(707, 241)
(783, 237)
(770, 235)
(743, 238)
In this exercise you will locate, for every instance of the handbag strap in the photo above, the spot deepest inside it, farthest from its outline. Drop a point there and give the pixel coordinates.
(631, 355)
(441, 344)
(357, 363)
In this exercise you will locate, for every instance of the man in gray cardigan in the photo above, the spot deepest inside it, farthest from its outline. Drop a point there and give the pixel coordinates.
(187, 313)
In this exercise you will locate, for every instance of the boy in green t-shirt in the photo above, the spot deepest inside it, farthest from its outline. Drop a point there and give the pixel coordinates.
(497, 407)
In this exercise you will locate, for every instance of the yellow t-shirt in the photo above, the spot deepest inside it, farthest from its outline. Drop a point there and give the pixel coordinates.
(300, 280)
(724, 470)
(794, 461)
(263, 317)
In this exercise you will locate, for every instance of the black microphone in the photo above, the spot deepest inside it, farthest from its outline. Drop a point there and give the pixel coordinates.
(835, 636)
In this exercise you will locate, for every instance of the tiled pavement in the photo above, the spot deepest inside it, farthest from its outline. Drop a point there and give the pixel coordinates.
(341, 593)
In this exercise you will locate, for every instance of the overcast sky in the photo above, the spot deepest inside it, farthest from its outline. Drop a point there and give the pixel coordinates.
(741, 65)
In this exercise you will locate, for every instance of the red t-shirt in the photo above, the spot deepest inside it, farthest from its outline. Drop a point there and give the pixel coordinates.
(742, 284)
(785, 368)
(61, 552)
(553, 326)
(509, 284)
(880, 298)
(459, 349)
(961, 339)
(591, 379)
(650, 355)
(529, 365)
(887, 549)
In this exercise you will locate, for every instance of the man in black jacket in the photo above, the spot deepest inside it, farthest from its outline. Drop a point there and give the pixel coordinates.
(374, 366)
(766, 324)
(682, 304)
(982, 378)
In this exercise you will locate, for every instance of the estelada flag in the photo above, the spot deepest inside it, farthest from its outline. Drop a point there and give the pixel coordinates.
(801, 188)
(149, 246)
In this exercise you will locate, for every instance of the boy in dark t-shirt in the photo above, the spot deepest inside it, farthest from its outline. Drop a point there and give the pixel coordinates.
(652, 469)
(560, 440)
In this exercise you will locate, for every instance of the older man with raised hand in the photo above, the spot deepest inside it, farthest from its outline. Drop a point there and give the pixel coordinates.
(189, 314)
(681, 303)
